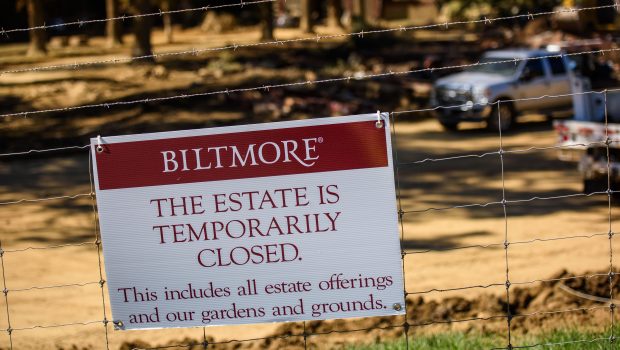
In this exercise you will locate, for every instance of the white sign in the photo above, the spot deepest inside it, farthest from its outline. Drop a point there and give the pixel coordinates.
(274, 222)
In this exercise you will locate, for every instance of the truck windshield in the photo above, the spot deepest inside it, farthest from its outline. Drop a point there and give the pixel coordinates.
(504, 66)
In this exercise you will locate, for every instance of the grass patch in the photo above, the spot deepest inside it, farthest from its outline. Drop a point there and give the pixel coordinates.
(572, 339)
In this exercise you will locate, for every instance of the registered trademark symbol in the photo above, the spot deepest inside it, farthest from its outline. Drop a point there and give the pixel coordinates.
(320, 140)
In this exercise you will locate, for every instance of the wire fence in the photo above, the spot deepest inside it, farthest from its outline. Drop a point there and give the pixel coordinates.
(405, 323)
(234, 46)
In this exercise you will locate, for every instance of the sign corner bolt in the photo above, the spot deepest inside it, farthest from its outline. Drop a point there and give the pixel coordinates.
(99, 144)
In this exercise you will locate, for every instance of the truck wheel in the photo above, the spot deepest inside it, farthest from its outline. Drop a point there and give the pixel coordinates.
(506, 114)
(450, 126)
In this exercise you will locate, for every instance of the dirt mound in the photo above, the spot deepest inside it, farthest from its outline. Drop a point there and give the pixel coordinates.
(566, 299)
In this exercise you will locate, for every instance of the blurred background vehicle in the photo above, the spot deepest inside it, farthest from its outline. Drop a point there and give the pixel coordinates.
(504, 75)
(592, 138)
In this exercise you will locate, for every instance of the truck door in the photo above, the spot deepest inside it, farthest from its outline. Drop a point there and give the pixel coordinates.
(532, 82)
(559, 83)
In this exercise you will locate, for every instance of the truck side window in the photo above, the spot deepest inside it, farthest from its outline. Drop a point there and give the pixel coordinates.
(557, 66)
(534, 69)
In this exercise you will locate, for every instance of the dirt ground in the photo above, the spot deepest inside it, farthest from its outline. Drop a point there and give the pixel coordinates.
(429, 235)
(442, 184)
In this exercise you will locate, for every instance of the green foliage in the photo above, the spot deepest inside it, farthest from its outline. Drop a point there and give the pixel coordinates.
(567, 339)
(443, 341)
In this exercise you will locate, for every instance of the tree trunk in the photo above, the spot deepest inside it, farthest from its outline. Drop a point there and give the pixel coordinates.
(266, 11)
(142, 31)
(114, 30)
(358, 20)
(167, 18)
(37, 36)
(305, 22)
(334, 10)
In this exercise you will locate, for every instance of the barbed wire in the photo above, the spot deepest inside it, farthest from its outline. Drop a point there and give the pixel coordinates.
(317, 38)
(406, 324)
(398, 164)
(425, 160)
(309, 82)
(529, 149)
(522, 99)
(81, 23)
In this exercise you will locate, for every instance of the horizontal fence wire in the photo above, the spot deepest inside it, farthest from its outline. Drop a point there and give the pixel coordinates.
(522, 99)
(67, 285)
(35, 200)
(412, 211)
(444, 290)
(506, 201)
(47, 150)
(60, 325)
(429, 291)
(425, 160)
(562, 343)
(55, 246)
(348, 78)
(502, 284)
(515, 151)
(317, 38)
(502, 244)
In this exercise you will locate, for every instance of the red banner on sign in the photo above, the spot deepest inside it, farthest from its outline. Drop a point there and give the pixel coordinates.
(241, 155)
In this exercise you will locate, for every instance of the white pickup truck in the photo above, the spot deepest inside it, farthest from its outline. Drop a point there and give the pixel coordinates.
(517, 76)
(585, 140)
